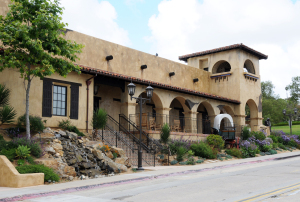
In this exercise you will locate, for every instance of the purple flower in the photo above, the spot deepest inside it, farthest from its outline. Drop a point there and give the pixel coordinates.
(286, 138)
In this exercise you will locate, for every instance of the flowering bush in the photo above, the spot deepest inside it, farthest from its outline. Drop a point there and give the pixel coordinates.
(249, 148)
(174, 145)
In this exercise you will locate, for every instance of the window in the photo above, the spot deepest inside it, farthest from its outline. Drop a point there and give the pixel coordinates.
(59, 100)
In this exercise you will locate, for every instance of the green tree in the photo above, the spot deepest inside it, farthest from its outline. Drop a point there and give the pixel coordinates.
(294, 89)
(272, 104)
(165, 133)
(32, 37)
(99, 120)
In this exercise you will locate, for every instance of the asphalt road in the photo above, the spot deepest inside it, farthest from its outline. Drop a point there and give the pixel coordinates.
(276, 180)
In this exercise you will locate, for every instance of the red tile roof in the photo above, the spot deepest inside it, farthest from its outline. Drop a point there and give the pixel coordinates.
(225, 48)
(155, 84)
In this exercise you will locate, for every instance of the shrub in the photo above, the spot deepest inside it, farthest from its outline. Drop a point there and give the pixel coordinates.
(216, 141)
(275, 145)
(22, 152)
(180, 153)
(67, 125)
(7, 114)
(115, 155)
(30, 160)
(49, 173)
(272, 151)
(191, 161)
(281, 146)
(274, 138)
(234, 152)
(190, 153)
(34, 146)
(10, 154)
(280, 139)
(105, 148)
(13, 132)
(258, 135)
(249, 149)
(199, 161)
(21, 162)
(99, 119)
(173, 162)
(266, 148)
(246, 133)
(183, 163)
(292, 143)
(203, 150)
(36, 123)
(176, 143)
(165, 134)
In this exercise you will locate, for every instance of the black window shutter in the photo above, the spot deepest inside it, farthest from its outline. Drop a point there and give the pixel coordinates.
(74, 101)
(47, 98)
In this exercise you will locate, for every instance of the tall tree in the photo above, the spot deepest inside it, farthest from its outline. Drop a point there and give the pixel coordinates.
(32, 37)
(294, 89)
(267, 89)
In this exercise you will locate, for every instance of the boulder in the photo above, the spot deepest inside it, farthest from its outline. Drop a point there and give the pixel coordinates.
(79, 157)
(118, 168)
(72, 136)
(121, 160)
(98, 154)
(72, 161)
(119, 151)
(269, 140)
(62, 133)
(50, 150)
(47, 137)
(58, 148)
(94, 144)
(109, 154)
(69, 170)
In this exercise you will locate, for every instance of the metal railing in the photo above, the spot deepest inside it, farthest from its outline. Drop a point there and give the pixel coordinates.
(151, 121)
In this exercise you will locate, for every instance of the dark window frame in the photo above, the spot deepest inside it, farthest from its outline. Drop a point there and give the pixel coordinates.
(66, 101)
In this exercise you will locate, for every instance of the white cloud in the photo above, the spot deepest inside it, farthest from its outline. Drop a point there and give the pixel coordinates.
(94, 18)
(269, 26)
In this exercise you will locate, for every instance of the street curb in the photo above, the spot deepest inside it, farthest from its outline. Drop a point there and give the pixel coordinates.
(129, 181)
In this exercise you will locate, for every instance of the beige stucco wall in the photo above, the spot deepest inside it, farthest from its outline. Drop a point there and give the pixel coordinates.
(11, 78)
(10, 177)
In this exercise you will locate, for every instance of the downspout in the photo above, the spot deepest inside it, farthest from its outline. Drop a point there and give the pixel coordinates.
(88, 83)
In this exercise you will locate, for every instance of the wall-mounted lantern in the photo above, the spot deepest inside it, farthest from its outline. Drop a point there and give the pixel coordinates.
(110, 57)
(144, 67)
(96, 89)
(195, 80)
(171, 74)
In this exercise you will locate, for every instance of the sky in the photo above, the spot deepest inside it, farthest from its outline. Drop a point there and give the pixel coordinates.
(177, 27)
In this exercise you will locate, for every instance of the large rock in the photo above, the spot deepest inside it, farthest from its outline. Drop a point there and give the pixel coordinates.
(69, 170)
(120, 151)
(94, 144)
(269, 140)
(58, 148)
(46, 137)
(109, 154)
(98, 154)
(62, 133)
(72, 136)
(50, 150)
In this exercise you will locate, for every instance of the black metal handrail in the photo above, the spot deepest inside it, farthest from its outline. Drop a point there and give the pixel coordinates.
(144, 134)
(123, 129)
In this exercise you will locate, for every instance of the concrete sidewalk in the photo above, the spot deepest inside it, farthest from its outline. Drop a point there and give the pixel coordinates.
(151, 173)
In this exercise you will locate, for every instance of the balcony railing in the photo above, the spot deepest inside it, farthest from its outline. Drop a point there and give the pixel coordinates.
(151, 121)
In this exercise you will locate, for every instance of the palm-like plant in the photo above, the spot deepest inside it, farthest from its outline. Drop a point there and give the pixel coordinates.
(99, 120)
(7, 113)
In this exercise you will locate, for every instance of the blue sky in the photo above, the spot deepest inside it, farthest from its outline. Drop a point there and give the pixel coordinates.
(177, 27)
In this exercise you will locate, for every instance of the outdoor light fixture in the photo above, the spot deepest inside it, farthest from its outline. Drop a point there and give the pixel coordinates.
(290, 116)
(149, 91)
(96, 89)
(110, 57)
(131, 89)
(144, 67)
(171, 74)
(195, 80)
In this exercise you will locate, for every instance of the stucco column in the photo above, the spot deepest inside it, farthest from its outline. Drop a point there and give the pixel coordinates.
(190, 122)
(162, 115)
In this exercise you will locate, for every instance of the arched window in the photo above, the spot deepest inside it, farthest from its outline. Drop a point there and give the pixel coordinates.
(249, 67)
(221, 66)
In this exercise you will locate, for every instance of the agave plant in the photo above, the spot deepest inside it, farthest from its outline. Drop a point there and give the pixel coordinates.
(7, 113)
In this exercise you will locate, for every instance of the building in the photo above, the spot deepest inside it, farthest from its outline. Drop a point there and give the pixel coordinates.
(188, 97)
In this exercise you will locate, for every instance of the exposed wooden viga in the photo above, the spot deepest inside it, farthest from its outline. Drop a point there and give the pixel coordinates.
(10, 177)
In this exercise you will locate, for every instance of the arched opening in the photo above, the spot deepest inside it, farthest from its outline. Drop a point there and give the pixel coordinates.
(221, 66)
(176, 114)
(150, 118)
(251, 112)
(249, 67)
(223, 121)
(204, 116)
(226, 110)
